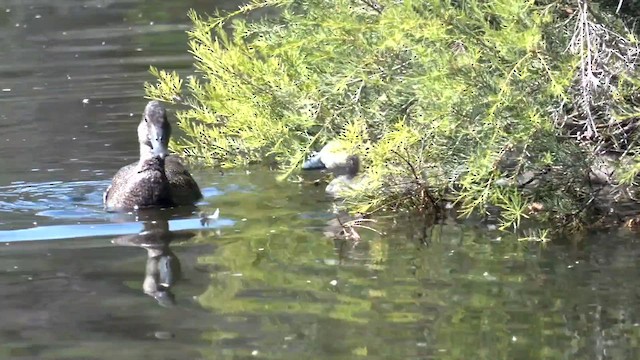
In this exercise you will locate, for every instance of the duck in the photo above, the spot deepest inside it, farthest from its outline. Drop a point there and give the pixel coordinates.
(157, 179)
(343, 165)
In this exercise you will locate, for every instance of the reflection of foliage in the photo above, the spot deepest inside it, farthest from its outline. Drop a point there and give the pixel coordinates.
(263, 253)
(284, 284)
(301, 291)
(442, 292)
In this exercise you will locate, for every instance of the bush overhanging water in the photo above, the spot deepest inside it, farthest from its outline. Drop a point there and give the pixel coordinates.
(477, 102)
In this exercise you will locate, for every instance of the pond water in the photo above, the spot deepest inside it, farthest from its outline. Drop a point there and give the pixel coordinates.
(266, 279)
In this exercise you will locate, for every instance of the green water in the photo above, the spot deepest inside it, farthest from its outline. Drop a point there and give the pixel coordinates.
(266, 280)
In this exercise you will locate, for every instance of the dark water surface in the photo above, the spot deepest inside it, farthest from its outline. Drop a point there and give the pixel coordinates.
(263, 280)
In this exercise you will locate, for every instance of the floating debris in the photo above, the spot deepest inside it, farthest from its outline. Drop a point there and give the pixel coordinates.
(205, 219)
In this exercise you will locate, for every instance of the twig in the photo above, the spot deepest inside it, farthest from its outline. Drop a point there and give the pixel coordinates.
(373, 4)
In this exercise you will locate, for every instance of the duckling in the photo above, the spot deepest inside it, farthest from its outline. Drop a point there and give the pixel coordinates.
(157, 179)
(344, 166)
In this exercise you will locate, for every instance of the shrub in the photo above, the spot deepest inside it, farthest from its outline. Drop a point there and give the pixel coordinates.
(442, 100)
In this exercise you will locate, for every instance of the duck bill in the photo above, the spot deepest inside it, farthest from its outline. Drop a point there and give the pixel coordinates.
(158, 145)
(159, 150)
(314, 163)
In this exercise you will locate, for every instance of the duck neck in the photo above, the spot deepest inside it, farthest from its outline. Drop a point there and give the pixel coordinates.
(149, 161)
(146, 152)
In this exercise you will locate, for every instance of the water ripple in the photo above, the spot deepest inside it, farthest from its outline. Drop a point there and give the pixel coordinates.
(43, 197)
(60, 210)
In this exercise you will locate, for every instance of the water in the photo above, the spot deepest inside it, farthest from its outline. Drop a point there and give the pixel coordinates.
(266, 279)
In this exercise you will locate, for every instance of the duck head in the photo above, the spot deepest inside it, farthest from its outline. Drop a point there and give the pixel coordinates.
(154, 131)
(335, 158)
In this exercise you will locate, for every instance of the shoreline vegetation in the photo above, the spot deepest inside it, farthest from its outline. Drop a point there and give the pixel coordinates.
(523, 109)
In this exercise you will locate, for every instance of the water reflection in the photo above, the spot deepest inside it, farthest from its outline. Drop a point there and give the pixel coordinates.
(162, 269)
(272, 285)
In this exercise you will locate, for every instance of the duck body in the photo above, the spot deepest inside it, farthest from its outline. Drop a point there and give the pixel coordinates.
(157, 179)
(183, 189)
(342, 165)
(139, 186)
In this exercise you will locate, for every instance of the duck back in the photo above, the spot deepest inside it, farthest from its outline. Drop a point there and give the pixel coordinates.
(184, 189)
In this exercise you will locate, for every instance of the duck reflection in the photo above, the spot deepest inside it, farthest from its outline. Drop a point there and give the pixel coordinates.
(163, 268)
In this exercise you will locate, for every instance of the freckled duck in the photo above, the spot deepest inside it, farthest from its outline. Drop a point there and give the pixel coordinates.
(157, 179)
(343, 165)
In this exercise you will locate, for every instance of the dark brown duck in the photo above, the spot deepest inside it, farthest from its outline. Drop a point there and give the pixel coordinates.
(157, 179)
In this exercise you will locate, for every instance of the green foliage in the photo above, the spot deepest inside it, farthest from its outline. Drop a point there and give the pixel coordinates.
(443, 100)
